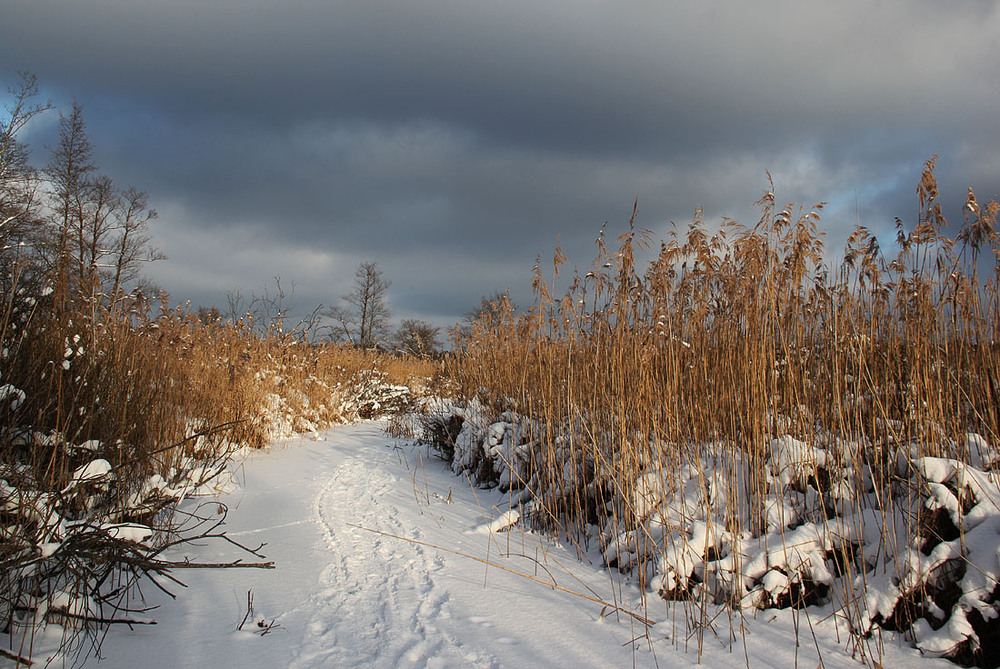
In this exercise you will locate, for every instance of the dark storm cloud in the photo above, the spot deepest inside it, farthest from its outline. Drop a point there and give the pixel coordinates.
(453, 142)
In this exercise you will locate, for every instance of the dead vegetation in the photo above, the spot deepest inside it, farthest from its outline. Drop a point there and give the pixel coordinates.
(110, 418)
(752, 425)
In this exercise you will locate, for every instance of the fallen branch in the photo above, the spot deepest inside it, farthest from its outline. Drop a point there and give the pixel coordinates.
(157, 565)
(99, 620)
(17, 658)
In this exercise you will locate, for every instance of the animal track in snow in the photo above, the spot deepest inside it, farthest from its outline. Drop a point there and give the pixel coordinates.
(376, 603)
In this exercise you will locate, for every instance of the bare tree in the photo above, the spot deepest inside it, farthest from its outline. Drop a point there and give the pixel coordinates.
(99, 236)
(417, 337)
(310, 325)
(19, 182)
(69, 169)
(236, 306)
(132, 244)
(20, 190)
(364, 318)
(342, 329)
(489, 315)
(270, 309)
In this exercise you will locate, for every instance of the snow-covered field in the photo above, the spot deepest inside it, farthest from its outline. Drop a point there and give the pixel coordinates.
(381, 561)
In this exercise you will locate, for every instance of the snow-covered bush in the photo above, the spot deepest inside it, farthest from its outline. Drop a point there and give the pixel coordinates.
(369, 394)
(923, 551)
(922, 545)
(502, 449)
(72, 554)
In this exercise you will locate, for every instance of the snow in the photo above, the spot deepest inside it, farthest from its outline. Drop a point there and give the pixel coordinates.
(15, 395)
(381, 562)
(501, 523)
(93, 471)
(133, 532)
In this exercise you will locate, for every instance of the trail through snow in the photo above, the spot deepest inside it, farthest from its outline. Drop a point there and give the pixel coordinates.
(380, 556)
(377, 602)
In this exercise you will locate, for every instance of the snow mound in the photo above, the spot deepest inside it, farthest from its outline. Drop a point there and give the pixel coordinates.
(918, 537)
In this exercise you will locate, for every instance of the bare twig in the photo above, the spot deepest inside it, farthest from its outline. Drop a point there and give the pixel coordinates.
(17, 658)
(249, 611)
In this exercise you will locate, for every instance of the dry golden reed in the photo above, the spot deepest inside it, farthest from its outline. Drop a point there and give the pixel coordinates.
(731, 338)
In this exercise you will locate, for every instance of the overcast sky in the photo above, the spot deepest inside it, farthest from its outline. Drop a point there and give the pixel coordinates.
(453, 142)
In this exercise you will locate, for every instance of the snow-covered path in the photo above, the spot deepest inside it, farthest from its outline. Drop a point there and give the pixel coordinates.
(344, 595)
(366, 533)
(377, 603)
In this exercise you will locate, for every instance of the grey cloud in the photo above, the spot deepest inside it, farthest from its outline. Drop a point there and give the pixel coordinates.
(543, 70)
(442, 136)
